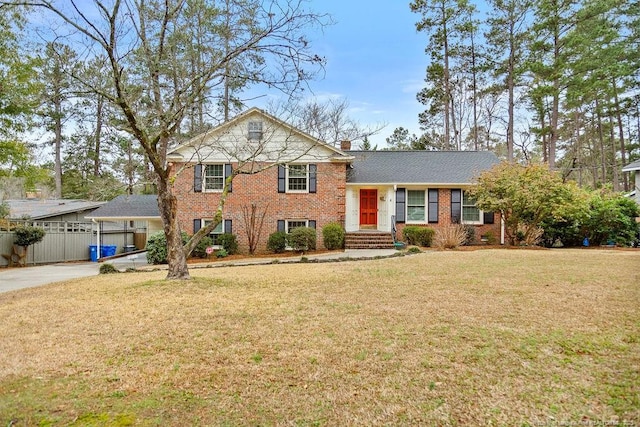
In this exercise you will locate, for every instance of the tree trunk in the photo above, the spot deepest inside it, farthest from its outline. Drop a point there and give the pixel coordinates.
(58, 145)
(447, 84)
(623, 150)
(168, 206)
(98, 136)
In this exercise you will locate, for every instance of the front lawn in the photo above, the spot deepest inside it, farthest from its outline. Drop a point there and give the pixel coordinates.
(488, 337)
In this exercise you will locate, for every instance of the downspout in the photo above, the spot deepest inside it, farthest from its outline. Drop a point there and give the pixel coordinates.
(501, 229)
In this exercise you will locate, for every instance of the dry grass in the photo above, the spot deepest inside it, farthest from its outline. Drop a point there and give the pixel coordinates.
(493, 337)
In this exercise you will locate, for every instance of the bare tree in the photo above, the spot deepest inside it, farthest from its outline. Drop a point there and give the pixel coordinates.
(151, 80)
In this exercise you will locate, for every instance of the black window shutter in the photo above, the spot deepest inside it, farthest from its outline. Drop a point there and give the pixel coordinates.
(228, 170)
(197, 224)
(312, 178)
(433, 205)
(312, 224)
(282, 176)
(488, 218)
(281, 225)
(228, 226)
(197, 178)
(400, 204)
(456, 206)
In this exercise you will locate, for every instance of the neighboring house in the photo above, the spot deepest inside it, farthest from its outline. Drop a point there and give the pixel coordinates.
(305, 182)
(138, 213)
(634, 167)
(51, 209)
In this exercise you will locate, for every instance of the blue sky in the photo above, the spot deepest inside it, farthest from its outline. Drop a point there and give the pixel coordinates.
(375, 59)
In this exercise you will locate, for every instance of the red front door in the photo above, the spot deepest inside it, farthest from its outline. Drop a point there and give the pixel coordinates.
(368, 208)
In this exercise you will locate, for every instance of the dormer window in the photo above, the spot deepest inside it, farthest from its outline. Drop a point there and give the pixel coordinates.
(255, 131)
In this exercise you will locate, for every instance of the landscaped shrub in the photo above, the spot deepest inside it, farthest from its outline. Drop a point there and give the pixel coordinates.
(108, 268)
(28, 235)
(470, 232)
(277, 242)
(222, 253)
(302, 239)
(229, 242)
(450, 236)
(157, 247)
(416, 235)
(200, 250)
(333, 236)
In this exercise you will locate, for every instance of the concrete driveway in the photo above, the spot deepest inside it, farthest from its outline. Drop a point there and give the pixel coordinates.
(28, 277)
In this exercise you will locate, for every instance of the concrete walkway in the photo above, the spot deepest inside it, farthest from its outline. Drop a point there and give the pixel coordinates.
(27, 277)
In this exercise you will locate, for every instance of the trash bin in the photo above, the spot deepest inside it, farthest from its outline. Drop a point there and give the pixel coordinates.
(107, 250)
(129, 248)
(93, 253)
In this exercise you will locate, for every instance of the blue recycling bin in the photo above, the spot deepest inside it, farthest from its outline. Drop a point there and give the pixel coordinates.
(107, 250)
(93, 253)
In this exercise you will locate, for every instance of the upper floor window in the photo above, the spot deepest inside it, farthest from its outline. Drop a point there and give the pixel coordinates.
(214, 177)
(297, 178)
(255, 131)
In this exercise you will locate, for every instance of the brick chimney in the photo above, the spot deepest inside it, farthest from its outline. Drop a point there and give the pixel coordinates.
(345, 145)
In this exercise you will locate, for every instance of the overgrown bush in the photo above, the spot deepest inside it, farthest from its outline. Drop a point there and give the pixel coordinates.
(450, 237)
(157, 247)
(333, 236)
(200, 250)
(229, 242)
(603, 217)
(419, 236)
(277, 242)
(28, 235)
(302, 239)
(108, 268)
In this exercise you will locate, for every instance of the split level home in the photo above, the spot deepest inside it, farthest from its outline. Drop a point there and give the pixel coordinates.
(288, 179)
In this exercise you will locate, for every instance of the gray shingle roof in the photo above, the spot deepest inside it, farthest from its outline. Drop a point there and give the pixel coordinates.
(633, 166)
(418, 167)
(129, 206)
(46, 208)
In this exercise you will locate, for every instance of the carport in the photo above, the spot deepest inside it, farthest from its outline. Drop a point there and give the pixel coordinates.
(137, 212)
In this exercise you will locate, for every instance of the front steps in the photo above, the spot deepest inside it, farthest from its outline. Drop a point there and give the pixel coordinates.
(368, 240)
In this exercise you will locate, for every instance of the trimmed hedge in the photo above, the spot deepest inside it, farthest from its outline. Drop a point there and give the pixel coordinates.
(302, 239)
(333, 236)
(229, 242)
(419, 236)
(277, 242)
(157, 247)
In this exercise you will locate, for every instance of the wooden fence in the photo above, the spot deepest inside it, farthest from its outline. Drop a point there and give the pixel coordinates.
(63, 241)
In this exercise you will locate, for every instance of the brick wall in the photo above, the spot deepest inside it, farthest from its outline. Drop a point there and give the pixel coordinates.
(444, 219)
(324, 206)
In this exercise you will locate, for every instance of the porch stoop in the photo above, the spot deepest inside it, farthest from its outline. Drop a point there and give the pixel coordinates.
(368, 240)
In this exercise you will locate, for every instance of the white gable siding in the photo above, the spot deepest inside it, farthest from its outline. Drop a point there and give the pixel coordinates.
(231, 144)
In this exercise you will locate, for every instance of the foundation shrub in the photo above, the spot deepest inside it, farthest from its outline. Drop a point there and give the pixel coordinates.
(277, 242)
(333, 236)
(450, 236)
(229, 242)
(419, 236)
(302, 239)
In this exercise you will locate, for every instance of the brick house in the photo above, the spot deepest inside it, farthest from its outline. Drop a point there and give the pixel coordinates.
(293, 179)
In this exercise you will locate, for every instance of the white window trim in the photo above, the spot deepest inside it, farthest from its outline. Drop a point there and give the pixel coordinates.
(255, 131)
(204, 178)
(287, 221)
(306, 165)
(463, 221)
(425, 206)
(203, 224)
